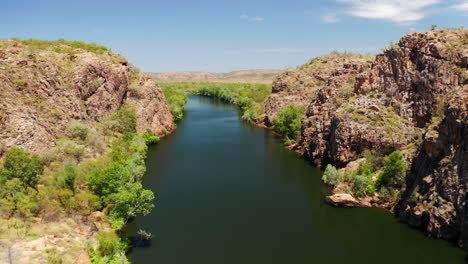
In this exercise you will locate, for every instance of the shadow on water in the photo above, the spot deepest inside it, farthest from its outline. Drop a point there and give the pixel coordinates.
(229, 192)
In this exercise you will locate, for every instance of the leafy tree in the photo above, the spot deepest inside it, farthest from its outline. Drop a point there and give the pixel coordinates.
(104, 182)
(18, 163)
(394, 170)
(288, 122)
(331, 176)
(433, 27)
(131, 200)
(17, 198)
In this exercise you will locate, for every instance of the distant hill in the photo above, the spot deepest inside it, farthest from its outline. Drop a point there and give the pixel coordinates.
(251, 76)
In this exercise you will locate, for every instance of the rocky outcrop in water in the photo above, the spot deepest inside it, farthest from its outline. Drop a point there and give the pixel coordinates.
(413, 98)
(44, 86)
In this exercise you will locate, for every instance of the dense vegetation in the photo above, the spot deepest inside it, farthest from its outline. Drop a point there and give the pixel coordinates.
(176, 97)
(288, 123)
(248, 97)
(63, 183)
(376, 173)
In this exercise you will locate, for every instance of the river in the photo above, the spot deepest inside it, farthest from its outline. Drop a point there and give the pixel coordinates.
(229, 192)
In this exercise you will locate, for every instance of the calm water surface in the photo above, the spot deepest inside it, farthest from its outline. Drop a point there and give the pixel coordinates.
(228, 192)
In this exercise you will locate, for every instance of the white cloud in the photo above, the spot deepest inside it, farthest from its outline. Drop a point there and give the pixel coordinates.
(329, 18)
(257, 19)
(397, 11)
(462, 6)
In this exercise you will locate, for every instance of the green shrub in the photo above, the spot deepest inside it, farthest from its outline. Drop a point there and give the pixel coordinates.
(53, 257)
(394, 170)
(66, 178)
(73, 149)
(20, 83)
(108, 243)
(78, 131)
(15, 197)
(150, 139)
(18, 163)
(331, 176)
(288, 122)
(360, 183)
(104, 182)
(388, 194)
(125, 120)
(365, 168)
(176, 98)
(86, 202)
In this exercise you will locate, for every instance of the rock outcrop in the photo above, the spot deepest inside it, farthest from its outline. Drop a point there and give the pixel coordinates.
(298, 87)
(414, 98)
(45, 87)
(343, 200)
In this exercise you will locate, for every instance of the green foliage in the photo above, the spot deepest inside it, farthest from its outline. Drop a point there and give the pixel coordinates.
(86, 203)
(53, 257)
(78, 131)
(125, 120)
(394, 170)
(107, 181)
(388, 194)
(150, 139)
(110, 249)
(66, 178)
(65, 46)
(414, 197)
(433, 27)
(18, 163)
(360, 185)
(331, 176)
(73, 149)
(374, 159)
(176, 98)
(20, 82)
(108, 243)
(288, 122)
(15, 197)
(248, 97)
(130, 201)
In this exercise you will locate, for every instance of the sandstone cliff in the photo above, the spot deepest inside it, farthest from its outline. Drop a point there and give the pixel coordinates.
(46, 85)
(413, 98)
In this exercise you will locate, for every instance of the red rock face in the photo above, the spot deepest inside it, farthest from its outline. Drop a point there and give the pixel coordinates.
(43, 90)
(418, 88)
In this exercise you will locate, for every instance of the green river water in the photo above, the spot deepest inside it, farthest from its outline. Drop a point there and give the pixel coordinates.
(228, 192)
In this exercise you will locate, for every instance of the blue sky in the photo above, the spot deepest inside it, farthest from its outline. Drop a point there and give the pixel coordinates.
(225, 35)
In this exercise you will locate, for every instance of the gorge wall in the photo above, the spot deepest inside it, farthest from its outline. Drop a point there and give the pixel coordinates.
(46, 85)
(413, 97)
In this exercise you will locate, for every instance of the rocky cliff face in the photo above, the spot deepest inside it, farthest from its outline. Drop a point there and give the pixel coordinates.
(298, 86)
(414, 98)
(44, 87)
